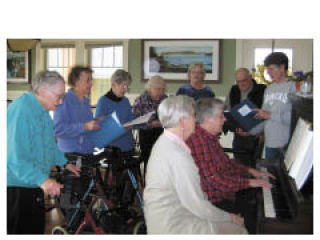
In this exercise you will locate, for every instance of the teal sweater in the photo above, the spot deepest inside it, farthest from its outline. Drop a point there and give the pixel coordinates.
(31, 147)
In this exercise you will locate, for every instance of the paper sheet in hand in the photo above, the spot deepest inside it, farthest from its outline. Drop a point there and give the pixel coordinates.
(244, 115)
(143, 119)
(110, 129)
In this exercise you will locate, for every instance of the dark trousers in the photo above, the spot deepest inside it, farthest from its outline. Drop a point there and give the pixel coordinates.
(74, 187)
(245, 149)
(78, 184)
(25, 210)
(245, 205)
(147, 138)
(274, 153)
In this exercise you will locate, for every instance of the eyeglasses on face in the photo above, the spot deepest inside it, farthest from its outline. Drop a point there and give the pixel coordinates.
(123, 85)
(59, 97)
(242, 81)
(197, 72)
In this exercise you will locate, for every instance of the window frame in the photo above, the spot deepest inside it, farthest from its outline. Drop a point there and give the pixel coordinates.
(302, 49)
(57, 46)
(82, 52)
(90, 47)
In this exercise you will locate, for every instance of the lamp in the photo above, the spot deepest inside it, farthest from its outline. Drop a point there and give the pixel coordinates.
(22, 45)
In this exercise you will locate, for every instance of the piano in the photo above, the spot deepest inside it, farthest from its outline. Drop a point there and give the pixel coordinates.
(284, 209)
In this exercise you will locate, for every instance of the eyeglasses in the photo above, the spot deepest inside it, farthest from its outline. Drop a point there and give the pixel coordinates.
(59, 97)
(197, 72)
(123, 85)
(242, 80)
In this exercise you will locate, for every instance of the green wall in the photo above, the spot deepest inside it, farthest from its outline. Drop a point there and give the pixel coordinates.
(227, 67)
(17, 87)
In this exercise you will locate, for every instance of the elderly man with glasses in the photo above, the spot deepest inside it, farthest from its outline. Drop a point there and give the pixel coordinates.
(245, 88)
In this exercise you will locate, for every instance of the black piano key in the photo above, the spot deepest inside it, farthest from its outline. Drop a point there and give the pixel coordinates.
(278, 196)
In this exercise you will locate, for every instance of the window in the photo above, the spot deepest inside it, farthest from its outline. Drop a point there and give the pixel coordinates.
(61, 60)
(261, 53)
(104, 62)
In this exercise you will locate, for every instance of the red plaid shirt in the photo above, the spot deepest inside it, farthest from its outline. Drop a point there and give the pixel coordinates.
(220, 175)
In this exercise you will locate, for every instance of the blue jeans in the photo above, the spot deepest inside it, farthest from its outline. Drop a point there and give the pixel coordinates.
(272, 153)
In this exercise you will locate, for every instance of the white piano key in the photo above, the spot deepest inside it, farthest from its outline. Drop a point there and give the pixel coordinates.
(269, 209)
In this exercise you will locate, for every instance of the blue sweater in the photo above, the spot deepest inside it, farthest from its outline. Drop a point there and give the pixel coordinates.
(195, 93)
(31, 147)
(68, 124)
(123, 109)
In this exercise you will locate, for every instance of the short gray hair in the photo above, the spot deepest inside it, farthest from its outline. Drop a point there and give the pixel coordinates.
(120, 76)
(155, 81)
(47, 79)
(173, 108)
(243, 69)
(207, 107)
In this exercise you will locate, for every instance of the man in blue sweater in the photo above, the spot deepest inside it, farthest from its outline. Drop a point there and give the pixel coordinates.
(31, 153)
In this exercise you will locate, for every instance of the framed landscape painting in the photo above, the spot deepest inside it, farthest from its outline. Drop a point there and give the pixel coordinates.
(171, 58)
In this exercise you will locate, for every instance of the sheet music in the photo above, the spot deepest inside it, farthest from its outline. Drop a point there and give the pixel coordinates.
(244, 110)
(143, 119)
(244, 115)
(297, 144)
(115, 117)
(304, 170)
(303, 161)
(110, 129)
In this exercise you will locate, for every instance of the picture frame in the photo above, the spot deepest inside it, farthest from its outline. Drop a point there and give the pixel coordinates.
(18, 67)
(170, 58)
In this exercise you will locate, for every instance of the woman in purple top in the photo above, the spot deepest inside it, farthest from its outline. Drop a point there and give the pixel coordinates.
(196, 88)
(74, 118)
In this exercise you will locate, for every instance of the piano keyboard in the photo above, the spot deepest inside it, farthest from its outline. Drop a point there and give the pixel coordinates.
(269, 208)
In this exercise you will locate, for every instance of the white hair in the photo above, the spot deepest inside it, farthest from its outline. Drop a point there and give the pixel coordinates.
(207, 107)
(155, 81)
(47, 79)
(173, 108)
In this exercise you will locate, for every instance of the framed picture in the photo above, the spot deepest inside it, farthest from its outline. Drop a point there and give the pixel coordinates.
(18, 67)
(171, 58)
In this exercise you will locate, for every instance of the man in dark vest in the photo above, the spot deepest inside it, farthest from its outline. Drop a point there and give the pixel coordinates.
(246, 87)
